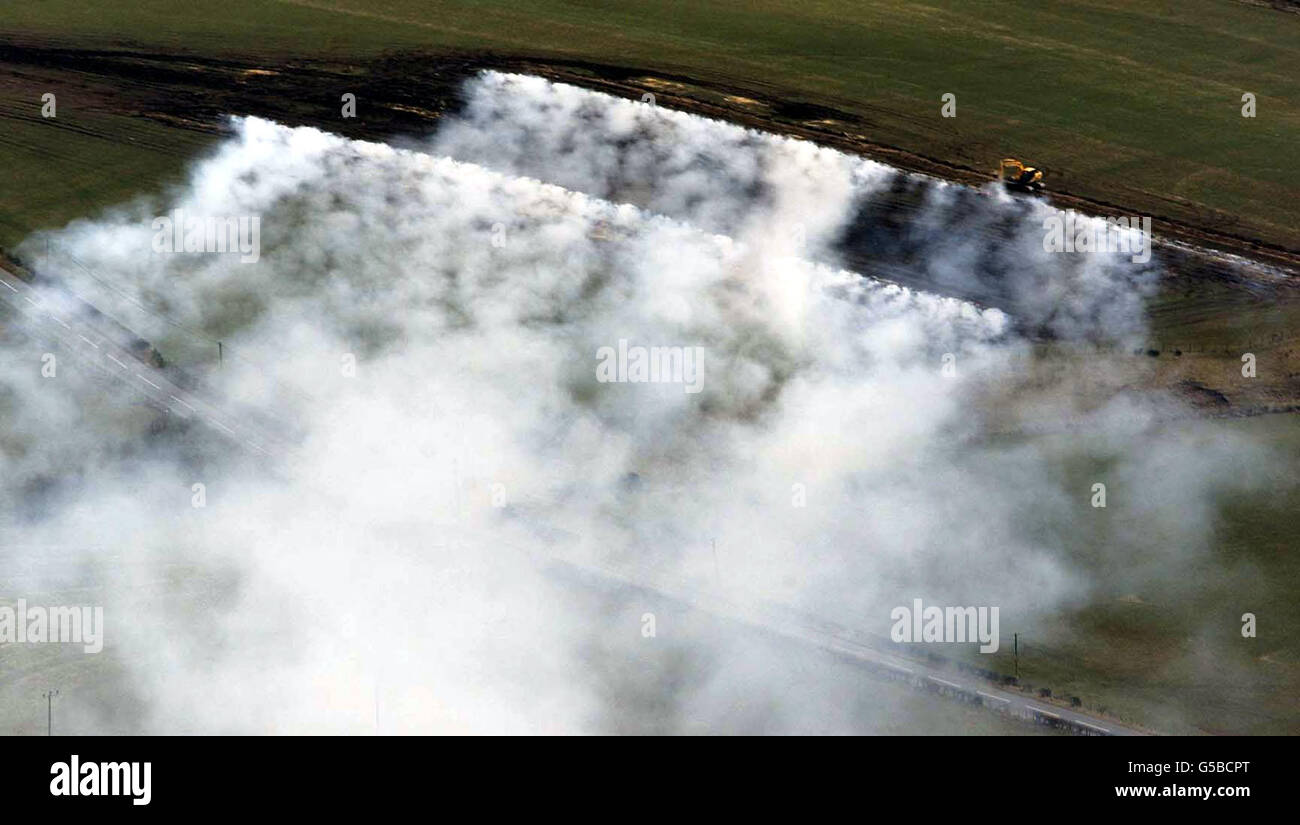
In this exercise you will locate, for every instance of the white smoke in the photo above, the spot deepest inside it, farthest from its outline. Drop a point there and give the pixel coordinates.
(473, 283)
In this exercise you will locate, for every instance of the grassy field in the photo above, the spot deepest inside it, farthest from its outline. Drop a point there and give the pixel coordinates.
(1163, 646)
(1135, 105)
(58, 171)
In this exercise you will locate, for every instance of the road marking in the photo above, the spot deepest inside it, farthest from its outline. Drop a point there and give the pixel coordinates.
(1094, 727)
(223, 426)
(1045, 712)
(115, 361)
(59, 321)
(944, 682)
(991, 696)
(29, 300)
(88, 341)
(178, 401)
(6, 283)
(147, 381)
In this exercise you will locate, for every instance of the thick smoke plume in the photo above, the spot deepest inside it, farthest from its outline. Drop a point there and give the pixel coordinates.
(402, 545)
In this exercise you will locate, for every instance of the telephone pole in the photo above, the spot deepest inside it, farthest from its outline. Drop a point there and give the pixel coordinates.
(49, 711)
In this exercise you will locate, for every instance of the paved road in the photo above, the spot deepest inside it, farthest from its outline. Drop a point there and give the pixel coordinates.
(59, 318)
(964, 687)
(842, 642)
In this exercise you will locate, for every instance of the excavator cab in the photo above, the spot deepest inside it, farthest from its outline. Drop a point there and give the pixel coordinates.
(1016, 175)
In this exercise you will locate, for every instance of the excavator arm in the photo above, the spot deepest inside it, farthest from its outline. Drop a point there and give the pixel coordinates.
(1017, 175)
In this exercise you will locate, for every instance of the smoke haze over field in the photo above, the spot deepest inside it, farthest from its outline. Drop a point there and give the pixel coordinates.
(399, 547)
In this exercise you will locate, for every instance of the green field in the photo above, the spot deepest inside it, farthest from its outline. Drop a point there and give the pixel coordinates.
(1162, 645)
(1137, 105)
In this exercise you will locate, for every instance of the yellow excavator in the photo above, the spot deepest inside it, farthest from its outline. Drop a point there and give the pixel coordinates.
(1016, 175)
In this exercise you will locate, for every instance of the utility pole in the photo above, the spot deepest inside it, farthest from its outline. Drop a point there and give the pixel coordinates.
(1015, 645)
(220, 354)
(49, 711)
